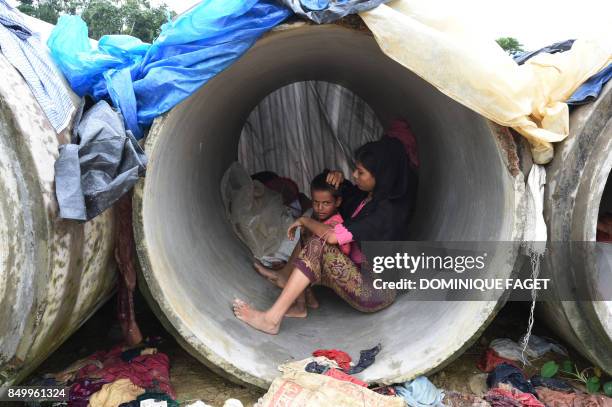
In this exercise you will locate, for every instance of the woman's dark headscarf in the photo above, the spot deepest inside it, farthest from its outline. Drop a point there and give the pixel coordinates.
(387, 161)
(387, 215)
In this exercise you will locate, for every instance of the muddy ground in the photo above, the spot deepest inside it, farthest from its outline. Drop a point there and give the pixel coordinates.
(194, 381)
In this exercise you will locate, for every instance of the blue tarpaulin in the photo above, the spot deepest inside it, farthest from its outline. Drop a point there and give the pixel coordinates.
(146, 80)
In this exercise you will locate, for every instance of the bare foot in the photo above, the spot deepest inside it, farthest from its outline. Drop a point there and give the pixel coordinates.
(297, 310)
(311, 300)
(254, 318)
(278, 278)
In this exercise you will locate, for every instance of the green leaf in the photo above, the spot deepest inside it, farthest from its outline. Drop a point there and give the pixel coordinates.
(593, 384)
(567, 366)
(549, 369)
(607, 388)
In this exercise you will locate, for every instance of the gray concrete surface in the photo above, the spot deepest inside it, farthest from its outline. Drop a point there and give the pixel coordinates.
(471, 189)
(53, 274)
(577, 178)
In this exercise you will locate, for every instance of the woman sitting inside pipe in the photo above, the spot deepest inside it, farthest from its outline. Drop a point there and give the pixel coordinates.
(376, 208)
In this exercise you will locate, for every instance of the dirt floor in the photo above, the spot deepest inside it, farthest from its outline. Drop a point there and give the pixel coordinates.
(194, 381)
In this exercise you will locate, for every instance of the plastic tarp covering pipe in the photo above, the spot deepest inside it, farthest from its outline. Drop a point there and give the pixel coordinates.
(146, 80)
(317, 125)
(476, 72)
(327, 11)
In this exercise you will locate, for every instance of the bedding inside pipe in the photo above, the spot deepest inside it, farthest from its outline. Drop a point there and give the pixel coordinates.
(194, 265)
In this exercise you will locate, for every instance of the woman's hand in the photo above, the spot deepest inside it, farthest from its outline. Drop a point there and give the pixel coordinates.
(291, 231)
(335, 178)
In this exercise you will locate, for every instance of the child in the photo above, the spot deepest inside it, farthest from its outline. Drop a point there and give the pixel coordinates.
(326, 200)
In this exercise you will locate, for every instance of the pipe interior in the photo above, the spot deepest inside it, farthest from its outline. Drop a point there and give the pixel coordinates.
(197, 266)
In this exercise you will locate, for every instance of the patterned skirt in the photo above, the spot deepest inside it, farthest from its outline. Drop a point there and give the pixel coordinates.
(326, 265)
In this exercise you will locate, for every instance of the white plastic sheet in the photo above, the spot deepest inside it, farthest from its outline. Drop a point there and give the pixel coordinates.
(475, 71)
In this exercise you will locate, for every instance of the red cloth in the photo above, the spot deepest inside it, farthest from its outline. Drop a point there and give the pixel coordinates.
(490, 359)
(337, 374)
(604, 228)
(146, 371)
(400, 129)
(526, 399)
(342, 358)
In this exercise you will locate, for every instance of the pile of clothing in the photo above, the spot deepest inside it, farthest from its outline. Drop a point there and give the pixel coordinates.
(505, 350)
(118, 377)
(326, 380)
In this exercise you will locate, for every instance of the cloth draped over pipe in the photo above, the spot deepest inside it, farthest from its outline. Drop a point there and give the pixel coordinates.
(23, 49)
(477, 73)
(146, 80)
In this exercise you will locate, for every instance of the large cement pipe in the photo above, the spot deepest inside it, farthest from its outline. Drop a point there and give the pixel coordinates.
(193, 264)
(579, 187)
(53, 273)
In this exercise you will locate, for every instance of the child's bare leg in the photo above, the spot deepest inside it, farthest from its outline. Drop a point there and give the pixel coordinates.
(279, 277)
(269, 321)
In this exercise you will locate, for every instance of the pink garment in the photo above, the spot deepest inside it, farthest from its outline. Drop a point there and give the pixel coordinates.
(344, 237)
(335, 221)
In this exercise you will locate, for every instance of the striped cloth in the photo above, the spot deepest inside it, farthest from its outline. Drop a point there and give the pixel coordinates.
(24, 51)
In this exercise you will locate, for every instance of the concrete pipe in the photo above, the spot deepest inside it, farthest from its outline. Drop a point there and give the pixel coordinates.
(53, 273)
(579, 188)
(193, 264)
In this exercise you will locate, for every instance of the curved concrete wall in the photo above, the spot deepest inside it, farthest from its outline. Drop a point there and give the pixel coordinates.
(193, 264)
(577, 178)
(53, 274)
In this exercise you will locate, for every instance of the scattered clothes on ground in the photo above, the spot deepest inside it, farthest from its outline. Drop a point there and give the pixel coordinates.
(23, 49)
(420, 392)
(561, 46)
(506, 373)
(604, 228)
(146, 80)
(553, 398)
(536, 347)
(506, 395)
(150, 372)
(314, 367)
(490, 359)
(152, 399)
(82, 389)
(69, 373)
(366, 358)
(102, 164)
(128, 355)
(539, 346)
(551, 382)
(340, 375)
(342, 358)
(456, 399)
(590, 90)
(115, 393)
(299, 388)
